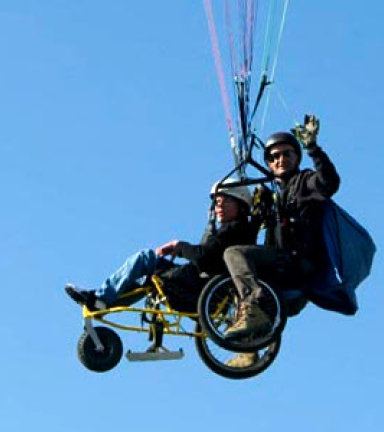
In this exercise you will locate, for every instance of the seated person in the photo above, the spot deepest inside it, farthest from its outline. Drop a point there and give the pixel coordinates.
(231, 209)
(294, 239)
(294, 251)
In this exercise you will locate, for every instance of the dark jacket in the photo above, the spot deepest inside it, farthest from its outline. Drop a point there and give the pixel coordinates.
(301, 208)
(207, 256)
(184, 283)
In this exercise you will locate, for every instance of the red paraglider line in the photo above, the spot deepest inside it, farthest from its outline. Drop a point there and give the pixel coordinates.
(218, 63)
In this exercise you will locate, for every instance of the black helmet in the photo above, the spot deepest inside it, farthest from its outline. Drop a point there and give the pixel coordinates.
(282, 138)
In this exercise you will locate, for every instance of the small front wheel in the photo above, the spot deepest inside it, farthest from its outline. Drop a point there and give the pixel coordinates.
(100, 360)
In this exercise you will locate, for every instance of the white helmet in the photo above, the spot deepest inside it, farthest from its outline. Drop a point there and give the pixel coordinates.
(239, 192)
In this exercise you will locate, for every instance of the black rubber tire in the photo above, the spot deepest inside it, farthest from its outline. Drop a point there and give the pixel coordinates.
(221, 290)
(100, 361)
(215, 358)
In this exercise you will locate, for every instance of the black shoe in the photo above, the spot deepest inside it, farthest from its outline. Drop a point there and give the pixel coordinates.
(79, 296)
(85, 298)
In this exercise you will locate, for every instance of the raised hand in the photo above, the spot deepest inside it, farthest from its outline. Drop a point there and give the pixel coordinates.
(307, 133)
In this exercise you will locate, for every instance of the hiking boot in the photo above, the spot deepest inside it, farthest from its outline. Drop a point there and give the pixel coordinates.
(243, 360)
(85, 298)
(251, 320)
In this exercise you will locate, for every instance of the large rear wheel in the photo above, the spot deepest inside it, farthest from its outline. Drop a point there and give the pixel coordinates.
(217, 307)
(219, 359)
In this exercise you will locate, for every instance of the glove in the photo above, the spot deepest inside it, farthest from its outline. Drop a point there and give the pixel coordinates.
(307, 133)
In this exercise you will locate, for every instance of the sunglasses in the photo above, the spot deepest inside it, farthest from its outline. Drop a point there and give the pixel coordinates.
(272, 157)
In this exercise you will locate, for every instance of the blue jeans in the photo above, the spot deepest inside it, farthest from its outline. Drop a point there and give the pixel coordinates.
(131, 274)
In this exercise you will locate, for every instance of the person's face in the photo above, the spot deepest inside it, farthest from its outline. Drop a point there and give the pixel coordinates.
(283, 159)
(226, 208)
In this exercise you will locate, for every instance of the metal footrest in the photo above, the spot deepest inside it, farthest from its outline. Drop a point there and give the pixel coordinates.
(160, 353)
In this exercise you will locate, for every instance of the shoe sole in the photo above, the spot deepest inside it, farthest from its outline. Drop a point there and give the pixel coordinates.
(259, 332)
(75, 296)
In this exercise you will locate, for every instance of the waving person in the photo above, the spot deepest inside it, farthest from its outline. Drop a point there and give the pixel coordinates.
(294, 250)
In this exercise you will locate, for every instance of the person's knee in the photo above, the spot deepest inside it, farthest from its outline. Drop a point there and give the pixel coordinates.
(237, 259)
(232, 253)
(144, 255)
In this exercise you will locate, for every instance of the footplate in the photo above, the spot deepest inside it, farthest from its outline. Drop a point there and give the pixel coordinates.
(160, 353)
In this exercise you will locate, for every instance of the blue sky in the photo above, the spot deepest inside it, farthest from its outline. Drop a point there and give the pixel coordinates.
(112, 132)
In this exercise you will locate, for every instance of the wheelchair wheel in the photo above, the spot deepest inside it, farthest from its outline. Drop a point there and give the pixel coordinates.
(217, 309)
(100, 361)
(216, 358)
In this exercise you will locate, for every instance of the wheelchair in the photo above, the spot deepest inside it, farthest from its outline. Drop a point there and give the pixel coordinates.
(100, 348)
(217, 309)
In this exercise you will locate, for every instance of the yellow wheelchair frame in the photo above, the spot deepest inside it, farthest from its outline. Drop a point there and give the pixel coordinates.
(100, 348)
(159, 318)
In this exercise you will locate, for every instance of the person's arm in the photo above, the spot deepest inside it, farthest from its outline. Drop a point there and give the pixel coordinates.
(325, 179)
(202, 255)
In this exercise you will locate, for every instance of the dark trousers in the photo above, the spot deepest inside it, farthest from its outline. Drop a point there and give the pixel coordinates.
(246, 263)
